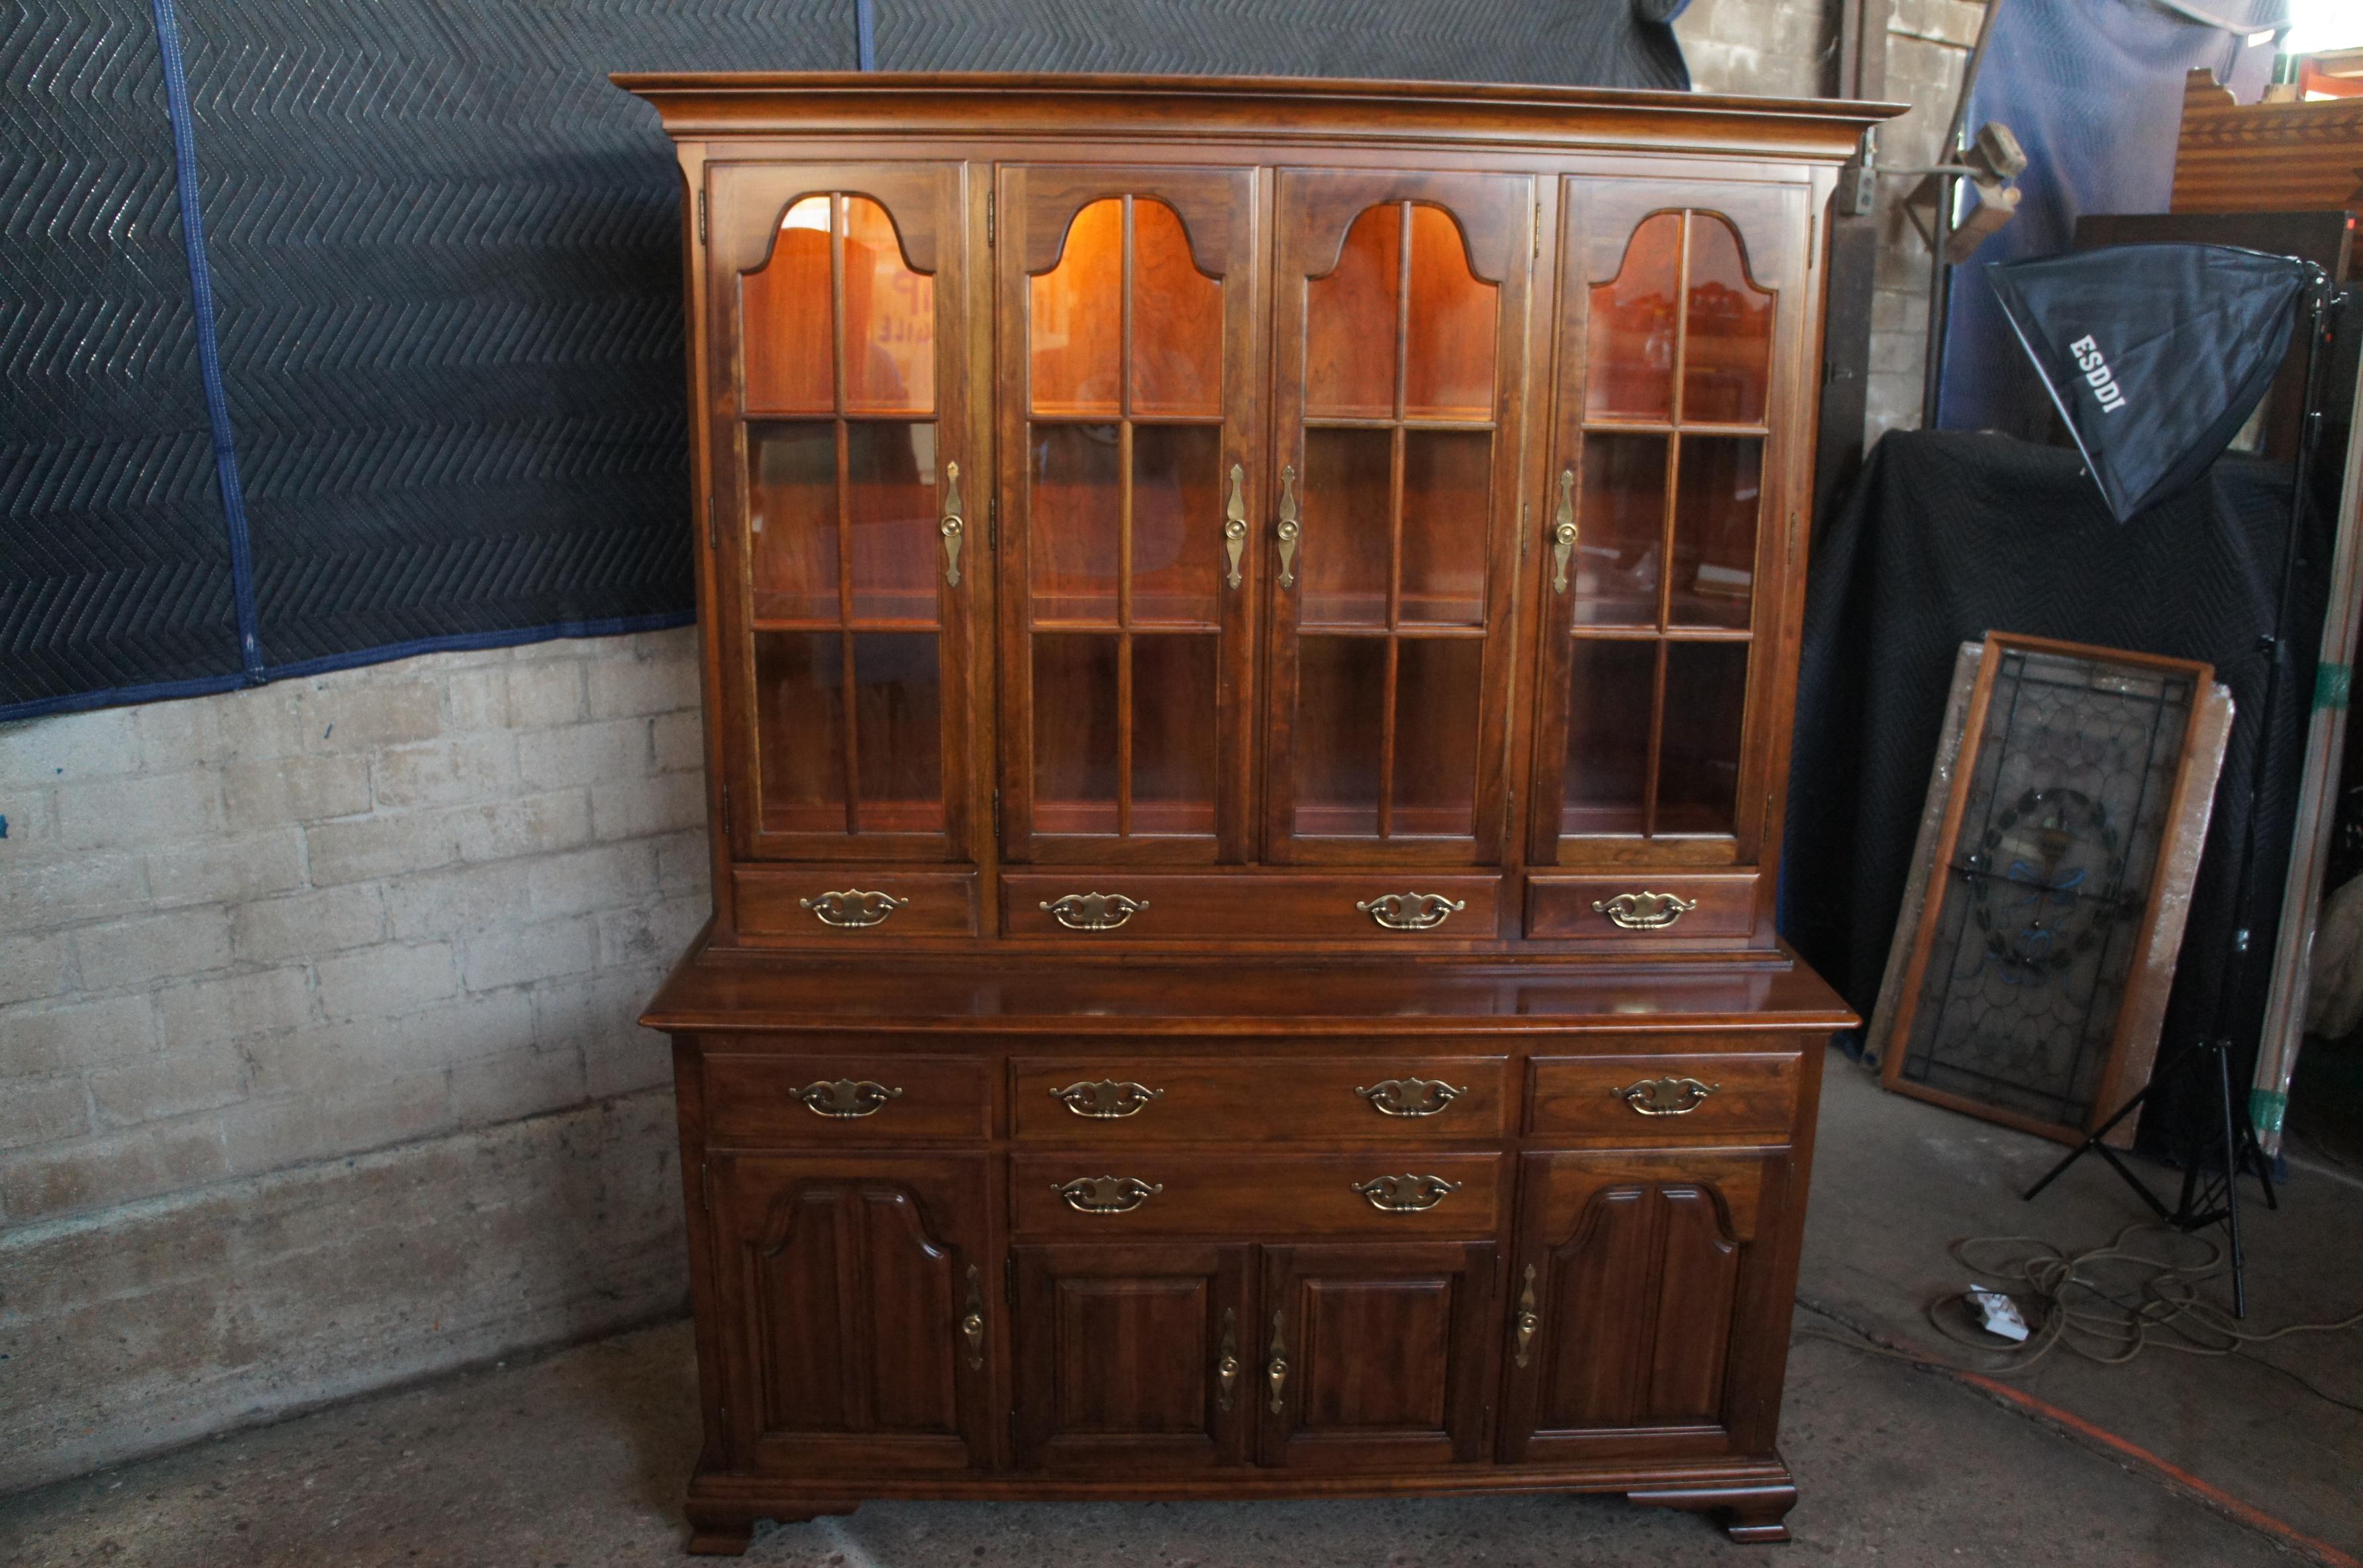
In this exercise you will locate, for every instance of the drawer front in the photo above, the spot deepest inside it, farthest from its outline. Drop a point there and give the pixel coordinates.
(1148, 1192)
(1641, 908)
(835, 904)
(846, 1100)
(1113, 1103)
(1661, 1098)
(1410, 909)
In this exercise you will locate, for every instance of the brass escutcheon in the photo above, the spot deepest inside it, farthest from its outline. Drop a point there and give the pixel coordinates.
(972, 1323)
(1287, 529)
(1106, 1098)
(1410, 1096)
(1275, 1370)
(1106, 1194)
(852, 909)
(1666, 1097)
(1643, 910)
(846, 1097)
(1235, 525)
(1563, 531)
(1093, 912)
(1227, 1362)
(1405, 1193)
(1411, 911)
(952, 528)
(1528, 1320)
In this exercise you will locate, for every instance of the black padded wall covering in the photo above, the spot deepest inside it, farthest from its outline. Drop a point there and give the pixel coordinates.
(445, 261)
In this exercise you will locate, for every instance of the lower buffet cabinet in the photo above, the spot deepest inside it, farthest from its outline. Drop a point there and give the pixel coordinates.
(1525, 1237)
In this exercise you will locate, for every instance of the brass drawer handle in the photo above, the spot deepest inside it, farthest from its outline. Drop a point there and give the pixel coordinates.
(1563, 531)
(1643, 910)
(1288, 527)
(1235, 526)
(952, 528)
(1410, 1096)
(972, 1323)
(1226, 1365)
(846, 1097)
(1411, 911)
(852, 908)
(1106, 1098)
(1093, 912)
(1275, 1370)
(1666, 1097)
(1106, 1194)
(1405, 1193)
(1528, 1318)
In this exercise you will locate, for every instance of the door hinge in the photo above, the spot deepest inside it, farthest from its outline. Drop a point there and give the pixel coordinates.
(1525, 529)
(988, 217)
(1013, 1432)
(996, 816)
(714, 524)
(705, 1185)
(725, 811)
(992, 525)
(1538, 226)
(701, 218)
(1009, 1280)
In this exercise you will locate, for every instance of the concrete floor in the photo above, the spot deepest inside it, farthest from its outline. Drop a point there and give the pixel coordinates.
(576, 1461)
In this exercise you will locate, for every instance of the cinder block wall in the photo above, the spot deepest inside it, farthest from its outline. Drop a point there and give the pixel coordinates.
(406, 912)
(317, 1070)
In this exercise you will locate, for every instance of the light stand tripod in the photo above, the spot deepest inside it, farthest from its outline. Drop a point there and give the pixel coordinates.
(2213, 1163)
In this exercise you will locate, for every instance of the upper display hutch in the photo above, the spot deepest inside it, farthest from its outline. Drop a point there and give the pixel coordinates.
(1328, 514)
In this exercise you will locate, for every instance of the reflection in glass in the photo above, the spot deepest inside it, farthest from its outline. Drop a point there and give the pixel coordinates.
(1335, 749)
(1177, 522)
(1075, 508)
(1611, 690)
(1714, 529)
(1075, 323)
(800, 732)
(1177, 320)
(790, 339)
(1619, 530)
(1450, 329)
(890, 318)
(1630, 364)
(1436, 704)
(1351, 319)
(1075, 744)
(898, 732)
(1698, 763)
(1346, 551)
(1447, 481)
(1174, 709)
(792, 520)
(1727, 332)
(890, 504)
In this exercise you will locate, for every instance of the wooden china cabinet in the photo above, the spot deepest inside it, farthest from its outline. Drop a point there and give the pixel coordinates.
(1249, 630)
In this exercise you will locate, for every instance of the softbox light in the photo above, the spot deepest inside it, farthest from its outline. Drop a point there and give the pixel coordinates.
(2155, 354)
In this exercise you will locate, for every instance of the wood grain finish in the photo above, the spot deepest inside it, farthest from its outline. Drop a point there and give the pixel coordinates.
(2273, 158)
(1237, 630)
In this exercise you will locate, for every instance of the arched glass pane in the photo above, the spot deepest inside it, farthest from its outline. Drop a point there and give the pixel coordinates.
(890, 318)
(1629, 363)
(1450, 331)
(1075, 322)
(789, 341)
(1727, 355)
(1177, 320)
(1351, 321)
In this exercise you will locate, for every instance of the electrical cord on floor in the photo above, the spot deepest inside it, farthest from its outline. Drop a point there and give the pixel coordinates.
(2069, 1306)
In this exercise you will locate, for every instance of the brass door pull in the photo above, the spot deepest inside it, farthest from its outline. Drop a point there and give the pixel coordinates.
(1227, 1362)
(842, 1098)
(1643, 910)
(1275, 1370)
(1411, 911)
(1106, 1194)
(1405, 1193)
(1235, 525)
(1288, 527)
(1528, 1320)
(1563, 531)
(1666, 1097)
(1410, 1096)
(952, 528)
(972, 1323)
(1093, 912)
(852, 909)
(1106, 1098)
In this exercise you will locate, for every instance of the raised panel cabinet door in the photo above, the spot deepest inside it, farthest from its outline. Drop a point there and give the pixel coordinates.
(847, 476)
(1376, 1356)
(1677, 460)
(1133, 1358)
(859, 1313)
(1398, 380)
(1637, 1314)
(1131, 484)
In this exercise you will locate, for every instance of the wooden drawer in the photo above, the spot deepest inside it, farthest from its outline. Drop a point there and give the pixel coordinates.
(1590, 908)
(807, 1100)
(1212, 907)
(1688, 1096)
(1273, 1195)
(825, 903)
(1106, 1101)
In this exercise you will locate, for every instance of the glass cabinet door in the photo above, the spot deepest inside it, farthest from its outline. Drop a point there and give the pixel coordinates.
(1127, 313)
(1398, 370)
(842, 477)
(1660, 541)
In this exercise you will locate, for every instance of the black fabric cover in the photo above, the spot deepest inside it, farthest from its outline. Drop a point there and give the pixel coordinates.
(1948, 536)
(2153, 355)
(446, 253)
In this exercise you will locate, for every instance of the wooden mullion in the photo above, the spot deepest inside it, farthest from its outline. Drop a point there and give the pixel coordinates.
(1657, 739)
(847, 685)
(1124, 706)
(1681, 321)
(1387, 740)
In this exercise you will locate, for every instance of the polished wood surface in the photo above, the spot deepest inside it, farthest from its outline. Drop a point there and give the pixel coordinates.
(1214, 592)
